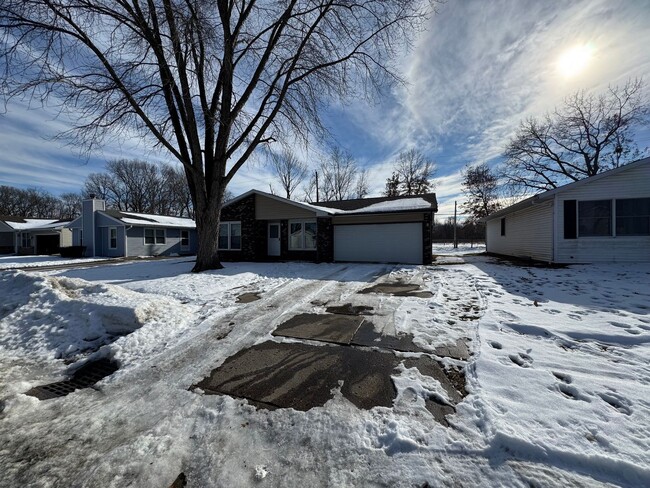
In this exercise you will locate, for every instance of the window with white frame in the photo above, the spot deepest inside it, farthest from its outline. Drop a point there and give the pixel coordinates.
(595, 218)
(26, 239)
(154, 236)
(302, 235)
(112, 237)
(185, 238)
(633, 217)
(230, 236)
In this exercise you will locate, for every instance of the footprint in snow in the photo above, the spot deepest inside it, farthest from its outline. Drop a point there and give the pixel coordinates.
(621, 325)
(564, 377)
(572, 392)
(574, 317)
(633, 331)
(616, 401)
(521, 359)
(496, 345)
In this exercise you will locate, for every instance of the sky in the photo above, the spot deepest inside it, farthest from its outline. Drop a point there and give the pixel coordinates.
(478, 69)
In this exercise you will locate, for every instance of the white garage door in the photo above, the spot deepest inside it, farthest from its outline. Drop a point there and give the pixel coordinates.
(387, 243)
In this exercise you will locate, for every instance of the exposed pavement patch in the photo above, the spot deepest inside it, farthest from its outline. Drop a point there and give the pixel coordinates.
(303, 376)
(248, 297)
(84, 377)
(398, 289)
(334, 328)
(367, 336)
(349, 309)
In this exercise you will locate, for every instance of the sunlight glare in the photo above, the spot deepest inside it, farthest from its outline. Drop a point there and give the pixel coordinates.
(574, 61)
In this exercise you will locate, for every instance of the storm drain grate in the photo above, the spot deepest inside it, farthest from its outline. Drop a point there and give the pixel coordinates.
(85, 377)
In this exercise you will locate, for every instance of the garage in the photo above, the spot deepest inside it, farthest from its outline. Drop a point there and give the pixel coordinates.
(383, 243)
(47, 244)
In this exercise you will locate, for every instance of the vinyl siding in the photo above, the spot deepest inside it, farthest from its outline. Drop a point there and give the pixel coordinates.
(633, 183)
(102, 244)
(270, 209)
(137, 247)
(529, 233)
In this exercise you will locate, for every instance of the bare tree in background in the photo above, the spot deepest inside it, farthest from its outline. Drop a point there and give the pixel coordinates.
(288, 170)
(361, 186)
(69, 206)
(29, 203)
(481, 187)
(339, 178)
(413, 175)
(207, 81)
(143, 187)
(587, 135)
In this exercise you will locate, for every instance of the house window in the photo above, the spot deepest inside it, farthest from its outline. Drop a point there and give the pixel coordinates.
(633, 217)
(185, 238)
(302, 235)
(112, 237)
(595, 218)
(230, 236)
(154, 236)
(503, 226)
(26, 240)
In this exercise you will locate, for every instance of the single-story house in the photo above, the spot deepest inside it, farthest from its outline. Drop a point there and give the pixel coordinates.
(112, 233)
(33, 236)
(258, 226)
(603, 218)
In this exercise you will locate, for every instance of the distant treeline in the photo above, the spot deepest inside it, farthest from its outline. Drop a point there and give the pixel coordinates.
(126, 185)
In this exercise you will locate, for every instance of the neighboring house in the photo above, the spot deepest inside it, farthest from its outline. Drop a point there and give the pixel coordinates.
(603, 218)
(111, 233)
(33, 236)
(258, 226)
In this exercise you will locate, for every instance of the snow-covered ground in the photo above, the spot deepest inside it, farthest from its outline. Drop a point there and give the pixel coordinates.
(447, 249)
(559, 383)
(13, 261)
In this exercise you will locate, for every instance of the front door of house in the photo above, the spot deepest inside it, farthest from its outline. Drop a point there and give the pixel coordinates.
(274, 239)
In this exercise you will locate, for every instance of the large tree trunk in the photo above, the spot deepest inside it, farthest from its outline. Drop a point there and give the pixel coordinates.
(207, 214)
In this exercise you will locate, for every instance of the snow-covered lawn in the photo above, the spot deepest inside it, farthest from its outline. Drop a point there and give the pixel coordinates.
(13, 261)
(447, 249)
(559, 382)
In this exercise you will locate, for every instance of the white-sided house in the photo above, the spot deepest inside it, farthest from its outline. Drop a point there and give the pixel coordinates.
(603, 218)
(33, 236)
(112, 233)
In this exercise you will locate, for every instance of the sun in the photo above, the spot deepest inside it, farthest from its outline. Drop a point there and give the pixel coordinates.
(575, 60)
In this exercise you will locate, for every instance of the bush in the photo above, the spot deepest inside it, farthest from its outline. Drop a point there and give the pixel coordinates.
(73, 251)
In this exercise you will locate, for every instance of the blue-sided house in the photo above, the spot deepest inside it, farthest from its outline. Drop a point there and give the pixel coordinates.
(113, 233)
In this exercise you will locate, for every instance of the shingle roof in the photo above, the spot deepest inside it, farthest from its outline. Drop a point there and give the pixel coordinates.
(360, 203)
(134, 218)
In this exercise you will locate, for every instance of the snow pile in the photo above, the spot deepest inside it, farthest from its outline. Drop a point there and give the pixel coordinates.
(51, 317)
(12, 262)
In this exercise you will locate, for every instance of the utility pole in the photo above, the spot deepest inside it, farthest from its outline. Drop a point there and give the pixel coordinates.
(317, 199)
(455, 236)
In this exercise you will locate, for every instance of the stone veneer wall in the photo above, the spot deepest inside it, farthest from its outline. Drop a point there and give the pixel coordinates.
(243, 211)
(325, 240)
(427, 229)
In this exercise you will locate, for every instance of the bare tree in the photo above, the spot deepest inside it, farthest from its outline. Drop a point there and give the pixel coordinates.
(208, 81)
(585, 136)
(140, 186)
(412, 175)
(32, 203)
(481, 187)
(69, 205)
(288, 169)
(361, 186)
(337, 176)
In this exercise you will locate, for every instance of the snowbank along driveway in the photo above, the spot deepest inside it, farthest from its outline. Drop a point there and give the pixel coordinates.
(557, 382)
